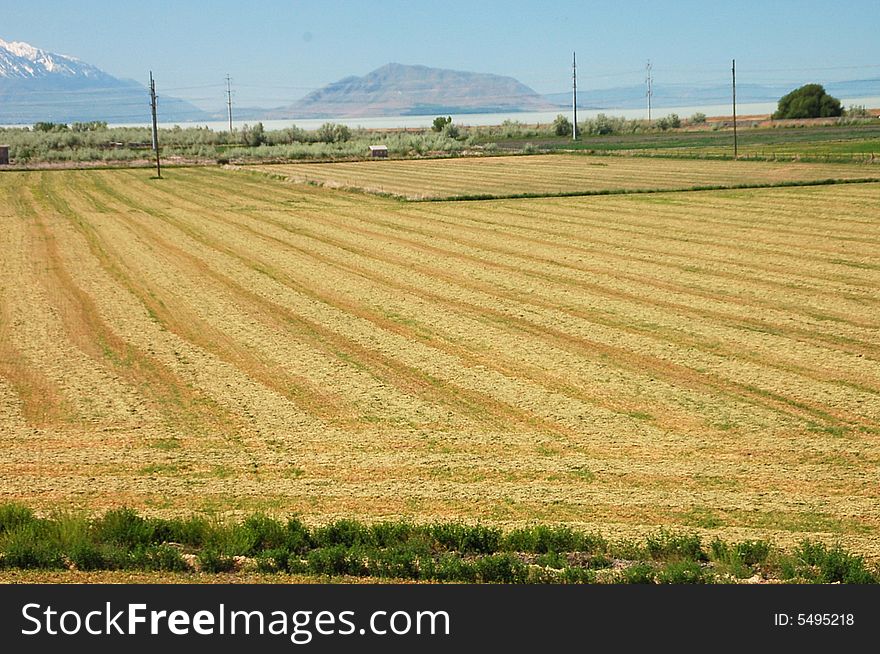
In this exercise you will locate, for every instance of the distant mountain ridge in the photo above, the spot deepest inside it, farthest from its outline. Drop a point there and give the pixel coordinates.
(409, 90)
(37, 85)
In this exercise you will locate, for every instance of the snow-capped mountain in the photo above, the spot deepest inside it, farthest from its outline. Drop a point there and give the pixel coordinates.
(24, 61)
(38, 85)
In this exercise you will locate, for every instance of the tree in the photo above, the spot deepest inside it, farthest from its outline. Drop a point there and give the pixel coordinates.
(809, 101)
(562, 126)
(253, 136)
(698, 118)
(333, 133)
(440, 122)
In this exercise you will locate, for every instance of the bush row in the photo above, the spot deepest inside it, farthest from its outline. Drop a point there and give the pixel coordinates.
(121, 539)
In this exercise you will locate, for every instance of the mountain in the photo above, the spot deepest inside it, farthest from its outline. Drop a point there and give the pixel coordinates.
(36, 85)
(402, 90)
(686, 95)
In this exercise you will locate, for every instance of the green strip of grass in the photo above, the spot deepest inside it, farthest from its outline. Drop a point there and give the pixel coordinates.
(445, 552)
(621, 191)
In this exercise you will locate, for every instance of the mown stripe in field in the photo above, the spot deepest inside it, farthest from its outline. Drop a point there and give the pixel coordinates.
(748, 388)
(556, 176)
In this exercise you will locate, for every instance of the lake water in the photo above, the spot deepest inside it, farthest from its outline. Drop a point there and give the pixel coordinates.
(386, 122)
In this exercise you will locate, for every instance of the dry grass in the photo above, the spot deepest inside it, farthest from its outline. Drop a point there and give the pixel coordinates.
(553, 175)
(223, 342)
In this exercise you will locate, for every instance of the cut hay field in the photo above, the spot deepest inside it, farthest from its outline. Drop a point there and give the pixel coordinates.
(466, 177)
(226, 342)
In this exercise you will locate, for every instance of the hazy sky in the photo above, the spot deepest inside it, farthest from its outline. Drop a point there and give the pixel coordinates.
(278, 51)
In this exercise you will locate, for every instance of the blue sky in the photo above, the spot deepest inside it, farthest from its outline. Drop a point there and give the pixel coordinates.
(278, 51)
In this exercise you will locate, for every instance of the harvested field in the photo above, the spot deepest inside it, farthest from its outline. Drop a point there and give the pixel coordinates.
(223, 342)
(555, 175)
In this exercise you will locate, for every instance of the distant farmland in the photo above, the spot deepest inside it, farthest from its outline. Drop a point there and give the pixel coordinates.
(555, 175)
(227, 342)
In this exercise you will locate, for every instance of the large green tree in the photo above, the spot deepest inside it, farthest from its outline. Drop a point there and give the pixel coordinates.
(809, 101)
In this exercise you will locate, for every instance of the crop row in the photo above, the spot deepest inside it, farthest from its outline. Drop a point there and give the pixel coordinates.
(123, 540)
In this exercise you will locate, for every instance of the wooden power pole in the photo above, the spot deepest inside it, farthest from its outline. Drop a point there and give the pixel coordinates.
(153, 105)
(735, 148)
(574, 97)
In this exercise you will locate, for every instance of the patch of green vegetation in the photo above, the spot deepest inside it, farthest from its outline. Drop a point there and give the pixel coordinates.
(838, 431)
(443, 552)
(582, 473)
(812, 521)
(166, 443)
(814, 562)
(702, 517)
(546, 450)
(162, 469)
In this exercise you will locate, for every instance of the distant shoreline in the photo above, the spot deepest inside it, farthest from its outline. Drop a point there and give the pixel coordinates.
(745, 111)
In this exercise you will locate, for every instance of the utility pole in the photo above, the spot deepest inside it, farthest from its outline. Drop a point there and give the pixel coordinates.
(229, 101)
(153, 105)
(649, 84)
(574, 97)
(733, 72)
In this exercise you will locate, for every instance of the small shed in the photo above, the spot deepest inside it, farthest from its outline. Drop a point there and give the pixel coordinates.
(379, 151)
(4, 155)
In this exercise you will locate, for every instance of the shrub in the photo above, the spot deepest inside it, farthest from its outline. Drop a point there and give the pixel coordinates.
(13, 516)
(337, 560)
(164, 558)
(343, 532)
(403, 534)
(857, 111)
(395, 563)
(752, 552)
(831, 565)
(124, 527)
(698, 118)
(451, 131)
(87, 556)
(274, 560)
(682, 572)
(193, 531)
(448, 567)
(212, 560)
(552, 560)
(562, 126)
(640, 573)
(465, 538)
(29, 548)
(665, 545)
(264, 533)
(501, 568)
(541, 539)
(298, 539)
(578, 576)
